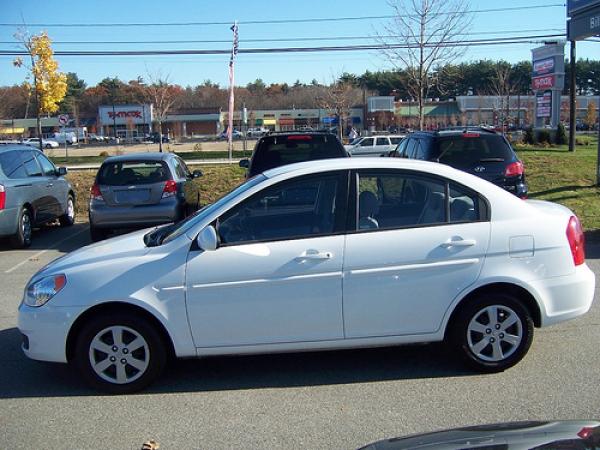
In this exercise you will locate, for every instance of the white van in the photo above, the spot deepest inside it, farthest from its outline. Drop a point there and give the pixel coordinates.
(68, 136)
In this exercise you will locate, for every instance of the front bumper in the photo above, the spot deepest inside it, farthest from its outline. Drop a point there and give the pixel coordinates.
(45, 330)
(566, 297)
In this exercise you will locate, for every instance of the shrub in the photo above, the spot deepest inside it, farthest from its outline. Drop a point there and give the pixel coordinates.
(198, 147)
(103, 153)
(529, 137)
(543, 137)
(561, 135)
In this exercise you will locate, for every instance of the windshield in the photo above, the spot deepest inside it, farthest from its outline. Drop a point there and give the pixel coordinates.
(466, 150)
(176, 230)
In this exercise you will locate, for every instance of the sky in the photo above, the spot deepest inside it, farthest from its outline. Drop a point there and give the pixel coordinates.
(547, 17)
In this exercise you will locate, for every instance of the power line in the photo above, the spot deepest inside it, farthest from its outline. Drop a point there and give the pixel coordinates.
(495, 41)
(291, 39)
(269, 22)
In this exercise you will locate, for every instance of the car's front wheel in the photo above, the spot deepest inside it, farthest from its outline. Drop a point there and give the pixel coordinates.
(493, 332)
(119, 353)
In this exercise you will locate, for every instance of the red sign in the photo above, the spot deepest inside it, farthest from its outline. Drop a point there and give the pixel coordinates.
(541, 83)
(123, 114)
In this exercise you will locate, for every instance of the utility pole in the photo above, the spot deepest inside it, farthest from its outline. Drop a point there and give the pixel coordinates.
(572, 98)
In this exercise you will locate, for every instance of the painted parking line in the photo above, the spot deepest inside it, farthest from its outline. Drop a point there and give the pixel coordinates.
(40, 253)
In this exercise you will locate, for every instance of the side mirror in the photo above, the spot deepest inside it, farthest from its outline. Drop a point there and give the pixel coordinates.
(197, 174)
(62, 171)
(245, 163)
(207, 239)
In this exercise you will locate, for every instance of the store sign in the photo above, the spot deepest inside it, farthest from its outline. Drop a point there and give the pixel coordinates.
(574, 6)
(584, 25)
(122, 114)
(543, 67)
(544, 104)
(125, 114)
(543, 82)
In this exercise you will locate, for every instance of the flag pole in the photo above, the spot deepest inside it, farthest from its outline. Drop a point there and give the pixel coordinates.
(234, 51)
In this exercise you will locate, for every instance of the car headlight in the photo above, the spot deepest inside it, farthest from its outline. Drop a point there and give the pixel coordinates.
(44, 289)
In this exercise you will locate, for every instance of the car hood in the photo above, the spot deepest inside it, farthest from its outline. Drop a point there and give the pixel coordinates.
(126, 246)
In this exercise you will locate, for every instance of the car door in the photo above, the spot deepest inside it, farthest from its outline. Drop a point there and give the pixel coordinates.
(382, 146)
(364, 147)
(418, 242)
(39, 193)
(276, 276)
(57, 188)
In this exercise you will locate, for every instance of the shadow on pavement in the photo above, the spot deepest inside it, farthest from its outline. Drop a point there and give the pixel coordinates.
(53, 236)
(23, 378)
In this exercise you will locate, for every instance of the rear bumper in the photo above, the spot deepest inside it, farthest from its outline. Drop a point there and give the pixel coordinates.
(9, 220)
(566, 297)
(104, 216)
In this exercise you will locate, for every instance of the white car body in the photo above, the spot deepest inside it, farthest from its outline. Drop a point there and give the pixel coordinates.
(69, 137)
(46, 143)
(374, 145)
(344, 290)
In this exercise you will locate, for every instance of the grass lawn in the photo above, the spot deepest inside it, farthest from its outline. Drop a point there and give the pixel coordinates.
(559, 176)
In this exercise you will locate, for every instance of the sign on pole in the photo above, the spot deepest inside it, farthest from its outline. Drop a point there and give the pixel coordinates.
(548, 81)
(63, 119)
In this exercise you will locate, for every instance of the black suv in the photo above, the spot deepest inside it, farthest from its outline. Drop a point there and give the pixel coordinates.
(478, 151)
(281, 148)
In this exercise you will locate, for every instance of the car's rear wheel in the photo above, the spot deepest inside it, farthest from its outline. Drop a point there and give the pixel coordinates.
(68, 218)
(119, 354)
(493, 332)
(97, 234)
(22, 238)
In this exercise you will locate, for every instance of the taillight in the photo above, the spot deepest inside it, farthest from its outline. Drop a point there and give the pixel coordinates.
(586, 432)
(514, 169)
(576, 240)
(95, 193)
(170, 189)
(2, 196)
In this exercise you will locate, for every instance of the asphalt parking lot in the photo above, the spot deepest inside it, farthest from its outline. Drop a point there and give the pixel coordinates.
(317, 400)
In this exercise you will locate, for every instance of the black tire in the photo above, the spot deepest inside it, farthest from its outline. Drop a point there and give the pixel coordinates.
(490, 346)
(98, 234)
(48, 146)
(68, 218)
(99, 332)
(22, 238)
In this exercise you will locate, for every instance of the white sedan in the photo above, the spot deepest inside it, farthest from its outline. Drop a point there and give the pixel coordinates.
(46, 143)
(330, 254)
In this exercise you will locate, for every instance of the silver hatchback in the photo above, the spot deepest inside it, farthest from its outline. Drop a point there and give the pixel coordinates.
(141, 190)
(32, 192)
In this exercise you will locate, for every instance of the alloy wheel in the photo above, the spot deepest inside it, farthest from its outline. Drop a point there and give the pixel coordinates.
(494, 333)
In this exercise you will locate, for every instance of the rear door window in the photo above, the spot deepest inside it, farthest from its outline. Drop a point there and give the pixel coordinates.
(12, 166)
(123, 173)
(30, 163)
(367, 142)
(382, 141)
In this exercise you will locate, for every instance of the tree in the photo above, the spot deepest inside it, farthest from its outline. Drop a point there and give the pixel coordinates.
(339, 97)
(49, 85)
(417, 41)
(163, 96)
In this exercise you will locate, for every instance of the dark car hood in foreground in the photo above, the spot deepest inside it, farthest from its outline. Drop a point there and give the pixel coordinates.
(511, 435)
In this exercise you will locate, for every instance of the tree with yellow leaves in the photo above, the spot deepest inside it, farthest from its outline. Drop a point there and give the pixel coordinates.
(49, 85)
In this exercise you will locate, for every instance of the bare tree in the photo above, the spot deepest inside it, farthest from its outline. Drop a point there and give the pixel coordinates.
(339, 97)
(422, 36)
(163, 96)
(502, 86)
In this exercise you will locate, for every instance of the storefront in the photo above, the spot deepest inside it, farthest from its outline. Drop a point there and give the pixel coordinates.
(126, 121)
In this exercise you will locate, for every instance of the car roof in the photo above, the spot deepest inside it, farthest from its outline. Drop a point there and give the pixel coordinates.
(155, 156)
(9, 147)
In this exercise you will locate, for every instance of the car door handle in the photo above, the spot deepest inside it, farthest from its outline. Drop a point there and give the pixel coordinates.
(459, 243)
(314, 255)
(50, 185)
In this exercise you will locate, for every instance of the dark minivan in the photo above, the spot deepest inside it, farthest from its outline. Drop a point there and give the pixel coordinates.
(282, 148)
(479, 151)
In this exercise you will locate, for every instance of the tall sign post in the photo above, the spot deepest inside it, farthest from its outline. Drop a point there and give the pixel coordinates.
(547, 82)
(583, 22)
(63, 120)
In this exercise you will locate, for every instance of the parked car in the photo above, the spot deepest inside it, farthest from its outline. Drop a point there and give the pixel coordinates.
(235, 134)
(479, 151)
(141, 190)
(277, 149)
(155, 137)
(338, 253)
(32, 192)
(374, 145)
(96, 138)
(256, 132)
(35, 142)
(567, 434)
(68, 137)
